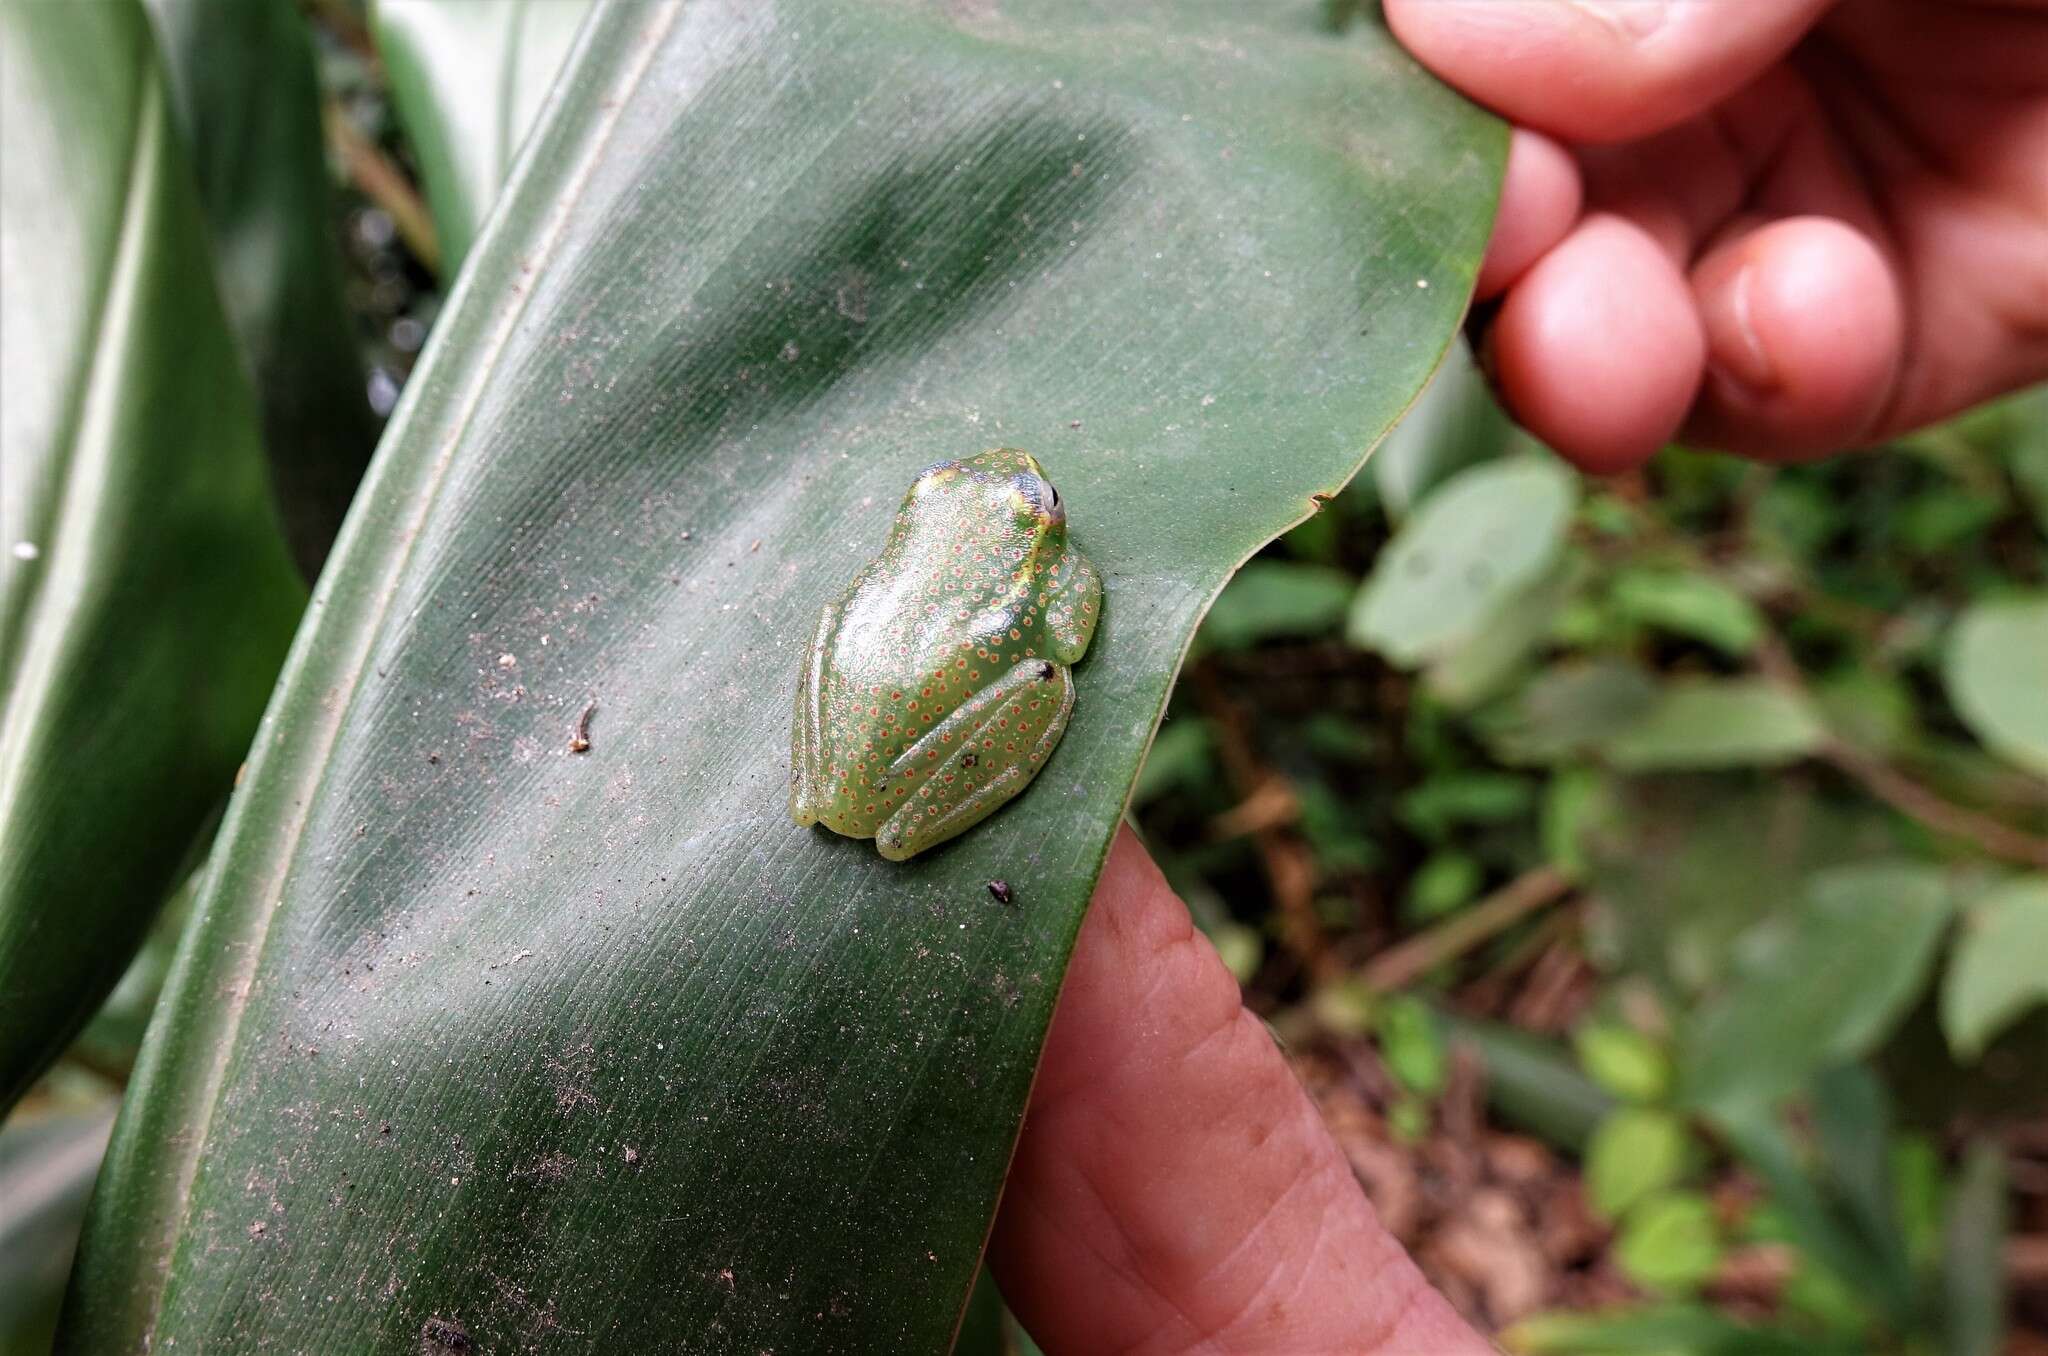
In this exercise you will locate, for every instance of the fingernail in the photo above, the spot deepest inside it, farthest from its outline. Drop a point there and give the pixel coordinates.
(1733, 347)
(1632, 19)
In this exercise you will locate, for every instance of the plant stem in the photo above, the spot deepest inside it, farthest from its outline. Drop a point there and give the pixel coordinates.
(1290, 868)
(384, 184)
(1916, 802)
(1896, 789)
(1400, 966)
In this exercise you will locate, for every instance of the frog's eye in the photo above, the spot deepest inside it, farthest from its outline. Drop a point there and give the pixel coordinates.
(936, 467)
(1049, 499)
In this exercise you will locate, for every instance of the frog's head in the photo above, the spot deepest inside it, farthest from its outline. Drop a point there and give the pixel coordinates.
(1005, 483)
(1027, 493)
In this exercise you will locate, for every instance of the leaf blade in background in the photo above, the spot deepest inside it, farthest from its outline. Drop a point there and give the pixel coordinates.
(1995, 972)
(1973, 1255)
(1479, 538)
(468, 81)
(247, 101)
(147, 597)
(1671, 1330)
(1456, 424)
(652, 1058)
(1819, 984)
(1277, 600)
(1637, 1152)
(47, 1165)
(1710, 723)
(1994, 666)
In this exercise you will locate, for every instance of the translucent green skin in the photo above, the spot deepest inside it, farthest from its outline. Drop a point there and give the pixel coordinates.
(937, 684)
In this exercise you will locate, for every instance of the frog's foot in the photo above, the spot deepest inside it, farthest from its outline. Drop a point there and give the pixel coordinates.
(809, 797)
(970, 764)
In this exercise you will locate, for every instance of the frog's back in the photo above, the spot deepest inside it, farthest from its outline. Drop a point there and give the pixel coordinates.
(955, 599)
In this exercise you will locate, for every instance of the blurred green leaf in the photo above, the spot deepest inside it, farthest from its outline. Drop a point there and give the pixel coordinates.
(1996, 669)
(1920, 1194)
(1703, 723)
(1661, 1330)
(1445, 800)
(758, 265)
(1623, 1060)
(247, 100)
(1872, 709)
(47, 1166)
(1942, 518)
(1852, 1129)
(1455, 424)
(1411, 1044)
(1687, 603)
(146, 597)
(1572, 708)
(1277, 600)
(1479, 538)
(1806, 1213)
(1494, 656)
(1682, 866)
(468, 81)
(1999, 967)
(1180, 756)
(1669, 1244)
(1637, 1152)
(1576, 801)
(1973, 1255)
(2030, 465)
(1336, 829)
(1820, 984)
(1531, 1081)
(1444, 882)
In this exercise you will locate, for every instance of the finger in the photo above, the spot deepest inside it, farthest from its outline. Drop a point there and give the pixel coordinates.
(1174, 1189)
(1598, 349)
(1599, 70)
(1539, 201)
(1804, 330)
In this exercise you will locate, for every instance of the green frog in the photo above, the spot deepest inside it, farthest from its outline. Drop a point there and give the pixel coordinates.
(937, 684)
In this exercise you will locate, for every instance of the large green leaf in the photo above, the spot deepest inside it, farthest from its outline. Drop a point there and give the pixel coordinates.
(595, 1051)
(469, 80)
(246, 98)
(145, 597)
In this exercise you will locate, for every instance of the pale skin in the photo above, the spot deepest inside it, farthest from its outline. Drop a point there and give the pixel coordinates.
(1174, 1190)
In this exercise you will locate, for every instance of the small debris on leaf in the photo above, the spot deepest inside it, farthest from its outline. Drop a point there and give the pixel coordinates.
(1002, 891)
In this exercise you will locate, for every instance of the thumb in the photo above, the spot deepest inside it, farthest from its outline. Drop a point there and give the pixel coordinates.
(1599, 70)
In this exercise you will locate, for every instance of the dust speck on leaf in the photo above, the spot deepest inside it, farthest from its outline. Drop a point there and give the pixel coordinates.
(443, 1337)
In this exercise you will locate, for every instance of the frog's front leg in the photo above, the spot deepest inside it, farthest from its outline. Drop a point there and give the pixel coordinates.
(970, 764)
(809, 796)
(1073, 600)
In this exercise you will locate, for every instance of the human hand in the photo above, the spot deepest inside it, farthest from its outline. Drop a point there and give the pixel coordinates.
(1779, 227)
(1174, 1189)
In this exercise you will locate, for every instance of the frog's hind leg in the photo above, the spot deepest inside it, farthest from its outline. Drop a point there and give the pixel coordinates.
(808, 794)
(974, 761)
